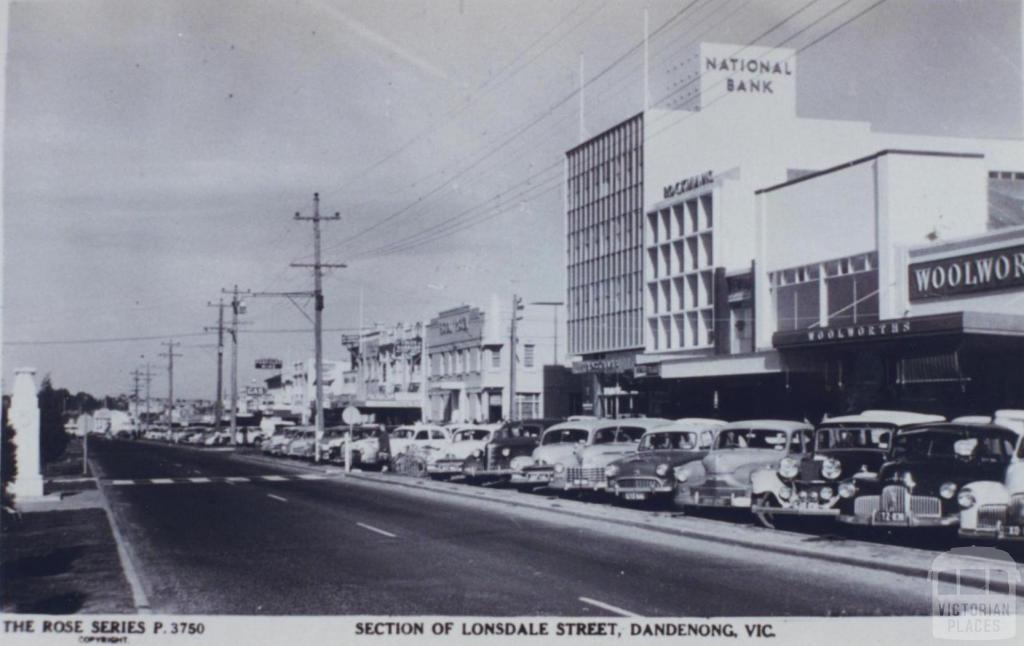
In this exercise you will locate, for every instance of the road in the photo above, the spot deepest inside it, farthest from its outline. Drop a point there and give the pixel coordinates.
(218, 535)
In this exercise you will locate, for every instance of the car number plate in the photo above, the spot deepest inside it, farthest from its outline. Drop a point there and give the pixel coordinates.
(1014, 530)
(741, 501)
(635, 496)
(891, 517)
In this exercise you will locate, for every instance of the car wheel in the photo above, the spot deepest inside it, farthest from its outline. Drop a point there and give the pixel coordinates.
(766, 518)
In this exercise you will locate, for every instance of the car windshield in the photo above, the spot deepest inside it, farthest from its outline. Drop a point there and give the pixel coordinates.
(403, 433)
(752, 438)
(471, 434)
(565, 436)
(982, 443)
(853, 437)
(668, 440)
(630, 433)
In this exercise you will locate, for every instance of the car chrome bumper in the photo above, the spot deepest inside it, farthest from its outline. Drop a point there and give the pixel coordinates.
(910, 521)
(532, 477)
(796, 511)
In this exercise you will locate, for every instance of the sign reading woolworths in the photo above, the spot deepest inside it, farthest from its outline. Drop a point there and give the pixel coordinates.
(977, 272)
(268, 364)
(608, 365)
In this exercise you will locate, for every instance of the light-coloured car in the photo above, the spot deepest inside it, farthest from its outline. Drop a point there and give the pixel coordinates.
(992, 509)
(279, 440)
(302, 444)
(466, 440)
(420, 439)
(649, 472)
(723, 477)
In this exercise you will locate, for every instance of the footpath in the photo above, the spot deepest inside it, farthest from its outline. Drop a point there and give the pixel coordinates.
(60, 556)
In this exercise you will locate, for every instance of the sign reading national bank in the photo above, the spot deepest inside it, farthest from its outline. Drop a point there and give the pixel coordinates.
(977, 272)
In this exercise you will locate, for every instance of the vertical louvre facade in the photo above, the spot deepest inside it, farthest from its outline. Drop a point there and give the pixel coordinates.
(604, 201)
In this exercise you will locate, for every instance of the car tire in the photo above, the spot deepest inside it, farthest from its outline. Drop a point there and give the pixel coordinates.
(766, 518)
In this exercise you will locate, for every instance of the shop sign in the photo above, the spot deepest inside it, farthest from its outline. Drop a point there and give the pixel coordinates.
(268, 364)
(453, 326)
(609, 365)
(757, 73)
(647, 370)
(867, 332)
(977, 272)
(689, 184)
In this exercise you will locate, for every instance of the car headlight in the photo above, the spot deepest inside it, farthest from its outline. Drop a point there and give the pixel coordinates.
(559, 468)
(847, 489)
(825, 493)
(788, 468)
(966, 499)
(681, 475)
(521, 462)
(785, 493)
(831, 469)
(478, 453)
(947, 490)
(908, 480)
(661, 470)
(505, 452)
(611, 471)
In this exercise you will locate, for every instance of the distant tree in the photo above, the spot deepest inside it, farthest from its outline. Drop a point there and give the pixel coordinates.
(52, 438)
(8, 462)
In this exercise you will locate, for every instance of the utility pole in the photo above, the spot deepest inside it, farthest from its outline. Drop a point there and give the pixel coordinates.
(555, 305)
(148, 375)
(237, 307)
(318, 297)
(517, 305)
(170, 354)
(136, 374)
(218, 405)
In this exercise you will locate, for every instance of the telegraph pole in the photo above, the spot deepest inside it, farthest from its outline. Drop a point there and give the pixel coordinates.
(136, 374)
(170, 354)
(148, 375)
(237, 307)
(318, 298)
(517, 305)
(218, 406)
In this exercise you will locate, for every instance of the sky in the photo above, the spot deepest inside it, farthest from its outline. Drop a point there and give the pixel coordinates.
(155, 152)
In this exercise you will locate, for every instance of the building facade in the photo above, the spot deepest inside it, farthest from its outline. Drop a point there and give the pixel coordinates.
(385, 380)
(604, 222)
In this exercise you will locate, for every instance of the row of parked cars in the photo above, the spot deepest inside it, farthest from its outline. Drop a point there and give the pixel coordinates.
(879, 468)
(200, 435)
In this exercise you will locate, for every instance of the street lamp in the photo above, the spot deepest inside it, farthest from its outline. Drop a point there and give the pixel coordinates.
(554, 305)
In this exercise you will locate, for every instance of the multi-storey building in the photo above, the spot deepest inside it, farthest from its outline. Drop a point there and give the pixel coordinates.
(604, 202)
(386, 378)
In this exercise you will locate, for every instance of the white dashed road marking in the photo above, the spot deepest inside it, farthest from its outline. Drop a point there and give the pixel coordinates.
(312, 476)
(270, 495)
(161, 481)
(609, 607)
(122, 482)
(274, 478)
(379, 531)
(234, 479)
(199, 480)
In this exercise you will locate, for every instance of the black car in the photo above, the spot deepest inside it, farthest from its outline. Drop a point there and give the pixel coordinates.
(513, 439)
(918, 485)
(844, 447)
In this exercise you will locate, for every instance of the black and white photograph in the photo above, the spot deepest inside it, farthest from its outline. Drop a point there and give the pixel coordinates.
(512, 321)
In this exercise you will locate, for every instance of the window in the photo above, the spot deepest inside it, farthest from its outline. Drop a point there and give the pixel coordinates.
(797, 306)
(528, 351)
(437, 435)
(528, 405)
(495, 358)
(853, 298)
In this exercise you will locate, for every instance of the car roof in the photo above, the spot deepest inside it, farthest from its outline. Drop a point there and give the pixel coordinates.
(952, 426)
(894, 417)
(482, 427)
(421, 427)
(694, 422)
(582, 425)
(768, 424)
(643, 422)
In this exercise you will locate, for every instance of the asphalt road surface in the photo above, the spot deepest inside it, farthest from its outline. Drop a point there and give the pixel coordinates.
(217, 535)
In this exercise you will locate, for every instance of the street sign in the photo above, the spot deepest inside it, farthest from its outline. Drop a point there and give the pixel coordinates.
(351, 415)
(268, 364)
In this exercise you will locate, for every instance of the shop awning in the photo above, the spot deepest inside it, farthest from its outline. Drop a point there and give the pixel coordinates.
(914, 327)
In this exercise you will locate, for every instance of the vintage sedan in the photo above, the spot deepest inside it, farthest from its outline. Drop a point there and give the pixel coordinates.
(649, 473)
(919, 485)
(302, 445)
(415, 438)
(850, 446)
(279, 441)
(994, 509)
(332, 444)
(723, 477)
(573, 455)
(467, 440)
(513, 440)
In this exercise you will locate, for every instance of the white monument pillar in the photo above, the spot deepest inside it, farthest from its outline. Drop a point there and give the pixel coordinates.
(24, 414)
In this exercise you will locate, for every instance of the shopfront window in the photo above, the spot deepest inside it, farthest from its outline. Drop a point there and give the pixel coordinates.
(852, 287)
(527, 405)
(797, 306)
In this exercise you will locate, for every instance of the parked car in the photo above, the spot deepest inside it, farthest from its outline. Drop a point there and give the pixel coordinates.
(573, 455)
(217, 438)
(722, 478)
(929, 465)
(649, 473)
(512, 440)
(994, 509)
(466, 440)
(417, 438)
(194, 435)
(278, 442)
(332, 445)
(302, 444)
(850, 446)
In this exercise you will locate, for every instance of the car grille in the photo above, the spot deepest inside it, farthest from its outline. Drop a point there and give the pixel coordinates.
(577, 473)
(991, 516)
(896, 498)
(638, 483)
(810, 470)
